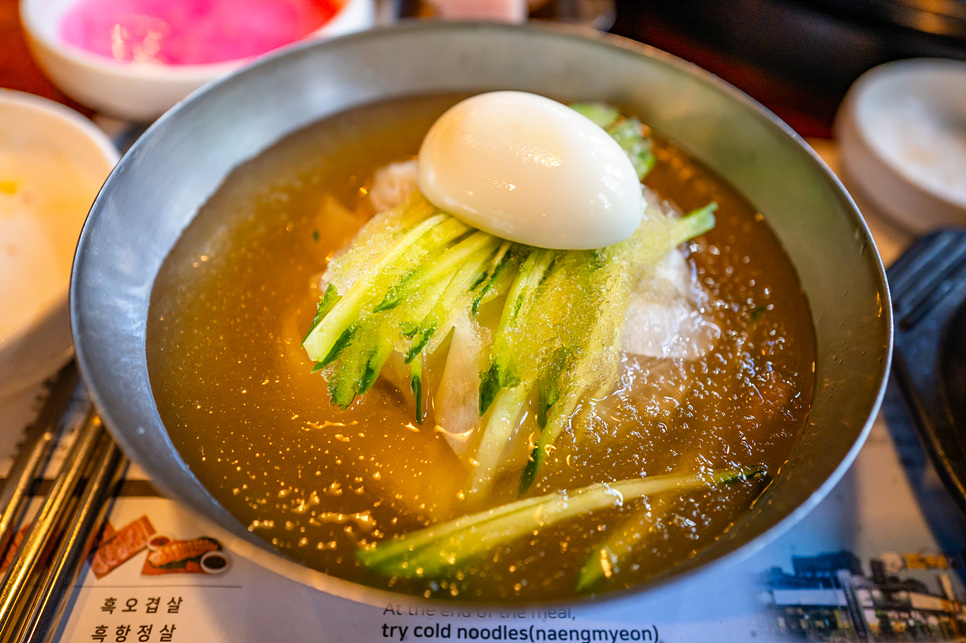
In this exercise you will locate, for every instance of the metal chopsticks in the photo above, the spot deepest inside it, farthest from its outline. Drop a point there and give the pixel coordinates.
(75, 543)
(28, 465)
(34, 585)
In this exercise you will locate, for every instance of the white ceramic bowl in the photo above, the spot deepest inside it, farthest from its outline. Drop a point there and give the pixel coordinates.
(139, 91)
(901, 132)
(42, 145)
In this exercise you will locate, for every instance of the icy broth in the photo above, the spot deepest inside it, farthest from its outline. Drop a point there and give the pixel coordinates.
(238, 397)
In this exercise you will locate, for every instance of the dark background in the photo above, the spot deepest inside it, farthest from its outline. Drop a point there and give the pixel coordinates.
(797, 57)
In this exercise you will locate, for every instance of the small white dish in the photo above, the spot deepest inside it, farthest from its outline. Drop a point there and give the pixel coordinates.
(157, 541)
(52, 164)
(139, 91)
(214, 562)
(901, 132)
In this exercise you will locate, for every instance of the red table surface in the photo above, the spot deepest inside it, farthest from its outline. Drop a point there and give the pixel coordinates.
(17, 69)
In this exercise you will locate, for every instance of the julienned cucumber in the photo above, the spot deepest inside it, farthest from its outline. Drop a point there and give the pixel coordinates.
(413, 272)
(437, 550)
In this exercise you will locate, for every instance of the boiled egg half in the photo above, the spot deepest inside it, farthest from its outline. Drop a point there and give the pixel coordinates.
(529, 169)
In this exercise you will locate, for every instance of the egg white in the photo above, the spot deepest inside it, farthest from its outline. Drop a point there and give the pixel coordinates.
(531, 170)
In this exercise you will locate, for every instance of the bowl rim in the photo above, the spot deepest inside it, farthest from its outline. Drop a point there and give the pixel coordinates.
(42, 26)
(101, 143)
(366, 594)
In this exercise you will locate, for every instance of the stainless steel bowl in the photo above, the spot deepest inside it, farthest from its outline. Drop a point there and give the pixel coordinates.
(179, 162)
